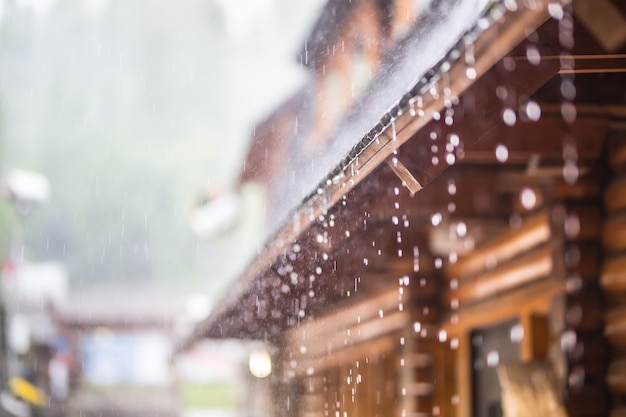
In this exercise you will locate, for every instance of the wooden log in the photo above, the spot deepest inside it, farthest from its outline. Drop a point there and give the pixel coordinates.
(614, 275)
(426, 312)
(589, 356)
(367, 352)
(532, 266)
(614, 236)
(346, 317)
(616, 376)
(421, 405)
(424, 288)
(534, 231)
(586, 401)
(588, 264)
(584, 311)
(583, 222)
(353, 335)
(615, 329)
(615, 194)
(419, 389)
(617, 152)
(535, 297)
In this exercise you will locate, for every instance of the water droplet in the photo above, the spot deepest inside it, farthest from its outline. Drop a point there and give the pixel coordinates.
(502, 153)
(461, 229)
(451, 187)
(510, 5)
(555, 10)
(533, 55)
(568, 112)
(528, 198)
(568, 89)
(509, 117)
(443, 336)
(493, 359)
(517, 333)
(454, 343)
(532, 110)
(570, 173)
(572, 226)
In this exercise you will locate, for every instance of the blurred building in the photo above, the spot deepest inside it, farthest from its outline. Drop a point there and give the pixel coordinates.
(450, 204)
(118, 348)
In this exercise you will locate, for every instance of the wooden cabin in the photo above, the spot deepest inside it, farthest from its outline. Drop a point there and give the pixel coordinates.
(467, 255)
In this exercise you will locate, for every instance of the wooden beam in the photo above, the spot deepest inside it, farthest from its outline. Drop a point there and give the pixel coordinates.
(542, 139)
(403, 173)
(534, 231)
(522, 270)
(346, 317)
(535, 297)
(604, 21)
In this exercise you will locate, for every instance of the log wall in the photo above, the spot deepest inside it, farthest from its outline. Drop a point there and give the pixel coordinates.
(613, 277)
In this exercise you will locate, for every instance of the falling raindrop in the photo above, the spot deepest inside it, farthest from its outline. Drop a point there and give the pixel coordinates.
(556, 10)
(533, 55)
(451, 187)
(528, 198)
(461, 229)
(570, 172)
(509, 117)
(533, 111)
(502, 153)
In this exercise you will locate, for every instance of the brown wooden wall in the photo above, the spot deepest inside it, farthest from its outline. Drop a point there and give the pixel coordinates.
(613, 277)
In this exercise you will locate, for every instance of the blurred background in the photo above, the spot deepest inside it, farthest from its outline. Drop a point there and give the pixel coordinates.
(120, 120)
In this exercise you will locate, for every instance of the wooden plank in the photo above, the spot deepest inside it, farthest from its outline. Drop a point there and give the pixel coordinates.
(533, 232)
(534, 345)
(368, 351)
(353, 335)
(615, 194)
(527, 139)
(403, 173)
(514, 273)
(536, 297)
(616, 376)
(617, 151)
(587, 400)
(614, 236)
(346, 317)
(614, 275)
(604, 21)
(615, 329)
